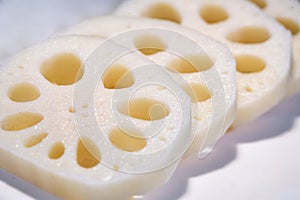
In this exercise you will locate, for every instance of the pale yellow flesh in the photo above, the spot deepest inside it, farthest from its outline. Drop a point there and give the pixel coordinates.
(249, 33)
(39, 139)
(217, 57)
(287, 13)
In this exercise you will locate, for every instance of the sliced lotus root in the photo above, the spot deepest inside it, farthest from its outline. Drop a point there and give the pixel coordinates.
(288, 14)
(209, 71)
(57, 135)
(262, 48)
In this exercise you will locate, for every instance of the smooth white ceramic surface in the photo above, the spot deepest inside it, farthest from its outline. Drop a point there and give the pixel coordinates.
(257, 161)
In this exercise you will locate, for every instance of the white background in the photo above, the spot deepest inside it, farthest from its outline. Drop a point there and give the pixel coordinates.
(257, 161)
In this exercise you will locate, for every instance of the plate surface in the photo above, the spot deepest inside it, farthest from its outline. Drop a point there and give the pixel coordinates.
(257, 161)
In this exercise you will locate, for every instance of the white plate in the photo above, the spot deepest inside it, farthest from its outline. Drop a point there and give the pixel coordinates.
(258, 161)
